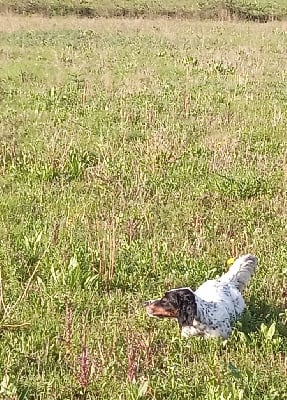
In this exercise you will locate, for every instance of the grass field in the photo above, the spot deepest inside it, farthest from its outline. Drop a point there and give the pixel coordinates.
(252, 10)
(138, 155)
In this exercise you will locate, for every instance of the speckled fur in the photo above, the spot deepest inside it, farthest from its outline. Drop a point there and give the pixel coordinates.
(216, 304)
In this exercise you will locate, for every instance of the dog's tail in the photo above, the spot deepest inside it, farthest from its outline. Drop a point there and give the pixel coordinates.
(241, 271)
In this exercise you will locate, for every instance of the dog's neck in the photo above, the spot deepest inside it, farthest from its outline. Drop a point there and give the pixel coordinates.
(204, 310)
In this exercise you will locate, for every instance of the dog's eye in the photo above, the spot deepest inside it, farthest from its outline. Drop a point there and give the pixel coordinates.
(164, 301)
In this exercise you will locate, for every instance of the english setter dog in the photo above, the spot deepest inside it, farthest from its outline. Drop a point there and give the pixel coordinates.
(210, 310)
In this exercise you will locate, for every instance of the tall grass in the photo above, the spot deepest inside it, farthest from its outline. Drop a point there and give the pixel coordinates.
(139, 155)
(262, 10)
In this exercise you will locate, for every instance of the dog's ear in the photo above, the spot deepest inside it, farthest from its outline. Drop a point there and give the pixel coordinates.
(187, 307)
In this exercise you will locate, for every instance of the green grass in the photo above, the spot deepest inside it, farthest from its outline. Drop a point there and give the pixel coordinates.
(139, 155)
(262, 10)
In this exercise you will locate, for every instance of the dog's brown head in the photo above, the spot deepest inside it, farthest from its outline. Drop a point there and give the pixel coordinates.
(176, 303)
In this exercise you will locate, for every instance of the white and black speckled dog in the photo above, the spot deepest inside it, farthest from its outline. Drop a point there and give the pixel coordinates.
(213, 307)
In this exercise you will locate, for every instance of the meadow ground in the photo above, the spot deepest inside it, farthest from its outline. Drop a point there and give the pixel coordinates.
(139, 155)
(252, 10)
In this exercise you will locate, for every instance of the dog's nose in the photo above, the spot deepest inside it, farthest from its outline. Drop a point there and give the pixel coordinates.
(146, 303)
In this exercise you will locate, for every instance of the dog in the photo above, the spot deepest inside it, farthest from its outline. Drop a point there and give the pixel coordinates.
(211, 310)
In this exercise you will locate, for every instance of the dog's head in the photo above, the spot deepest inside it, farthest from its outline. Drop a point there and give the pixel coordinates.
(176, 303)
